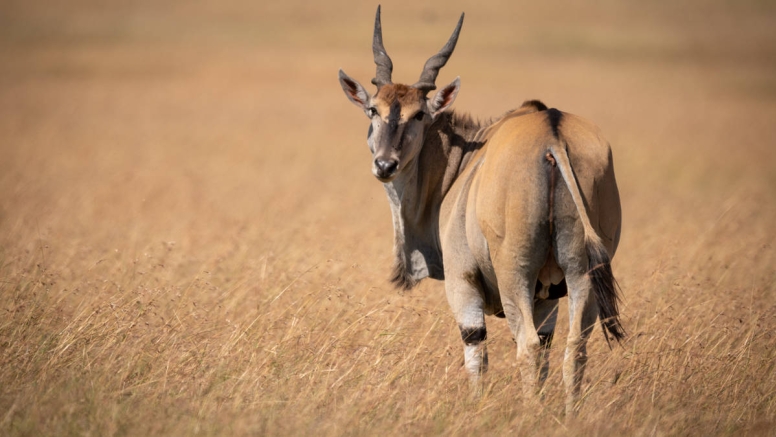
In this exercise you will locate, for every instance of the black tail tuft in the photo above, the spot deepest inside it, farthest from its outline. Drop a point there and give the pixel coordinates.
(606, 291)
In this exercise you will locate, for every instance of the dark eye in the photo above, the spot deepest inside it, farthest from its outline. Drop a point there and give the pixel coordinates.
(371, 112)
(419, 116)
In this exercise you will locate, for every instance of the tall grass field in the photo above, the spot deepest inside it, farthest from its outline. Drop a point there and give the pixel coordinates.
(192, 242)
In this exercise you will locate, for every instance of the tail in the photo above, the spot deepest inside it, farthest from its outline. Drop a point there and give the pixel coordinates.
(605, 287)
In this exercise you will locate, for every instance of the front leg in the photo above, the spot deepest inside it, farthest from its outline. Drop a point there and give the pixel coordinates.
(466, 300)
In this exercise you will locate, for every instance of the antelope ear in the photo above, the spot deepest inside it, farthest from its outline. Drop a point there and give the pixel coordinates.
(353, 90)
(444, 97)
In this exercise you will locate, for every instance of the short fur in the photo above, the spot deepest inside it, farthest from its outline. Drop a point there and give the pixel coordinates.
(405, 95)
(459, 135)
(480, 205)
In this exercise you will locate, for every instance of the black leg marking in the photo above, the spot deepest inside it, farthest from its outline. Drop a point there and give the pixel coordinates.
(472, 336)
(554, 117)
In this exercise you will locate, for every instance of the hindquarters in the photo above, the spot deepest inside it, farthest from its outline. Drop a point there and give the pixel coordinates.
(513, 213)
(587, 229)
(591, 288)
(548, 198)
(588, 217)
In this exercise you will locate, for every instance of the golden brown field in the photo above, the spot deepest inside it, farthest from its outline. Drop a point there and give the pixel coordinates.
(191, 241)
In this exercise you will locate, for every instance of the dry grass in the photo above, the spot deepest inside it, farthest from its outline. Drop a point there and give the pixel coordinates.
(191, 241)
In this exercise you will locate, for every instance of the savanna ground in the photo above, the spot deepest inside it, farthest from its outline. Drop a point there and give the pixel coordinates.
(191, 241)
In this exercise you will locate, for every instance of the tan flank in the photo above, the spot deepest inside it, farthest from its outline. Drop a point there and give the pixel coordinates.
(513, 214)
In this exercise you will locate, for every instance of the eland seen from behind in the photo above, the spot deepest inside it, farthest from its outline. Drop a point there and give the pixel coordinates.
(512, 214)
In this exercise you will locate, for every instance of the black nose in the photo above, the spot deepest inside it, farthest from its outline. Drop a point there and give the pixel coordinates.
(386, 169)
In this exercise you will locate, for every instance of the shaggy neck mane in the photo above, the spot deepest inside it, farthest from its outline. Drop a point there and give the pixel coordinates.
(416, 195)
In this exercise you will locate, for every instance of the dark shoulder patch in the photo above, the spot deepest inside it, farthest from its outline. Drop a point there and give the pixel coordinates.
(535, 104)
(554, 117)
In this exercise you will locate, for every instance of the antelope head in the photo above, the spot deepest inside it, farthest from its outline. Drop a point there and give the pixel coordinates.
(400, 114)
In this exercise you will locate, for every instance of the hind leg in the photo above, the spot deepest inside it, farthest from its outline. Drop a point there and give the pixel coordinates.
(545, 315)
(582, 316)
(517, 299)
(517, 266)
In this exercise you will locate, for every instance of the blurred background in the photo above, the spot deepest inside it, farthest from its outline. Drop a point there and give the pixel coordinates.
(165, 157)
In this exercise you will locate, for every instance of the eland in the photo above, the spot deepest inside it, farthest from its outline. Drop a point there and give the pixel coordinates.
(512, 214)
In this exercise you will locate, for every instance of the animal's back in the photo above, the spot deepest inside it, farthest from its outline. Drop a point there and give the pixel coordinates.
(513, 200)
